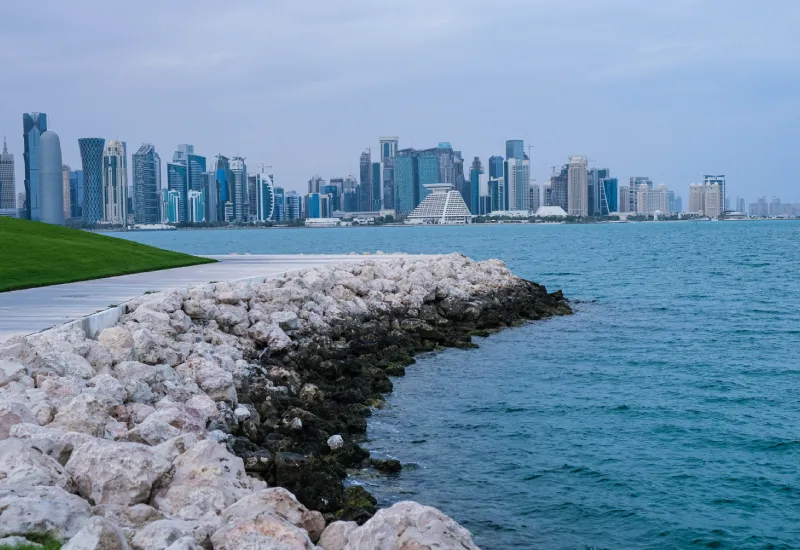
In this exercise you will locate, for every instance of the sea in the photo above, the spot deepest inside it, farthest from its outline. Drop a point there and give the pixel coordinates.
(663, 414)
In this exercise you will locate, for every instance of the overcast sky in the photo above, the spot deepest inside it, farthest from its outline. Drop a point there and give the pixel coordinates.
(670, 89)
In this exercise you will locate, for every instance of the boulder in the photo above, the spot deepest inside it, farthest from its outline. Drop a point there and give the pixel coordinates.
(269, 335)
(335, 535)
(133, 517)
(53, 442)
(98, 534)
(85, 413)
(408, 525)
(280, 503)
(12, 414)
(21, 462)
(107, 389)
(206, 480)
(262, 531)
(286, 320)
(163, 533)
(15, 541)
(184, 543)
(109, 472)
(45, 510)
(116, 338)
(335, 442)
(12, 371)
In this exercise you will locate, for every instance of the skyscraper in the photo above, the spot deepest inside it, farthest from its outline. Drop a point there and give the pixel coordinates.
(293, 206)
(515, 149)
(33, 126)
(115, 183)
(577, 187)
(596, 191)
(517, 178)
(559, 188)
(389, 146)
(146, 184)
(610, 201)
(534, 198)
(315, 183)
(633, 189)
(195, 167)
(51, 187)
(7, 181)
(92, 161)
(76, 194)
(496, 167)
(225, 194)
(197, 206)
(170, 205)
(376, 186)
(178, 181)
(240, 197)
(406, 177)
(719, 180)
(365, 181)
(475, 172)
(280, 205)
(265, 197)
(65, 173)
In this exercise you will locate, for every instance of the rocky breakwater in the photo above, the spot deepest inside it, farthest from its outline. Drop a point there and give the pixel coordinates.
(226, 416)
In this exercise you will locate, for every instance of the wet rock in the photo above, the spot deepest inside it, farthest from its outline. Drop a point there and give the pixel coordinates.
(359, 505)
(386, 466)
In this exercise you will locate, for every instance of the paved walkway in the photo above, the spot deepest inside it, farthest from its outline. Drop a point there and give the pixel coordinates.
(37, 309)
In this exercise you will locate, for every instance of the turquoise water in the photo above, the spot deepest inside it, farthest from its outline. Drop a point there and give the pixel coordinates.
(664, 414)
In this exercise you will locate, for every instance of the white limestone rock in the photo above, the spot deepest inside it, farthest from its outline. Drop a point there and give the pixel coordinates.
(53, 442)
(164, 533)
(116, 338)
(261, 532)
(12, 414)
(409, 525)
(38, 509)
(280, 503)
(21, 462)
(107, 472)
(85, 413)
(128, 518)
(184, 543)
(206, 479)
(107, 389)
(98, 534)
(335, 535)
(270, 335)
(335, 442)
(13, 542)
(12, 371)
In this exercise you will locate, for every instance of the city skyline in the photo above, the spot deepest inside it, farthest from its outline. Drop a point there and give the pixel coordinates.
(656, 102)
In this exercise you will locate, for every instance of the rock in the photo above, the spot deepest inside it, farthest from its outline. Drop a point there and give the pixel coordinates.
(85, 413)
(107, 389)
(12, 414)
(241, 413)
(335, 442)
(13, 542)
(270, 335)
(184, 543)
(206, 480)
(164, 533)
(20, 462)
(175, 447)
(387, 466)
(134, 517)
(280, 503)
(286, 320)
(408, 525)
(53, 442)
(116, 337)
(261, 532)
(107, 472)
(12, 371)
(335, 535)
(44, 510)
(359, 505)
(311, 395)
(98, 534)
(152, 431)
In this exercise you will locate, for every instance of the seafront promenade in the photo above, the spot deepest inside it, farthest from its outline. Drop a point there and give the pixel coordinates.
(32, 310)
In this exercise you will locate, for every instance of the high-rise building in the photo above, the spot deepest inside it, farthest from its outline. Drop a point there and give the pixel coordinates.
(170, 205)
(76, 194)
(197, 206)
(365, 181)
(517, 178)
(740, 205)
(350, 194)
(651, 201)
(498, 194)
(224, 189)
(318, 205)
(719, 180)
(7, 181)
(115, 183)
(240, 196)
(33, 126)
(633, 188)
(315, 183)
(577, 187)
(92, 162)
(406, 194)
(696, 198)
(624, 199)
(195, 168)
(610, 201)
(389, 146)
(21, 200)
(596, 191)
(475, 173)
(51, 186)
(178, 181)
(146, 184)
(713, 200)
(377, 186)
(293, 206)
(534, 197)
(515, 149)
(265, 197)
(760, 208)
(547, 194)
(496, 167)
(559, 188)
(65, 172)
(280, 205)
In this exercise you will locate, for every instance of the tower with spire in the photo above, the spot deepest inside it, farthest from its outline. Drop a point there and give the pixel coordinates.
(7, 181)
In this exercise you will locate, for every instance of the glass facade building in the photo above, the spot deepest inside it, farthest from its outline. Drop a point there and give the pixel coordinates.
(475, 186)
(293, 206)
(146, 185)
(376, 186)
(496, 167)
(515, 149)
(7, 180)
(197, 206)
(91, 150)
(178, 181)
(33, 126)
(170, 206)
(318, 206)
(280, 205)
(406, 195)
(241, 198)
(610, 196)
(265, 195)
(76, 194)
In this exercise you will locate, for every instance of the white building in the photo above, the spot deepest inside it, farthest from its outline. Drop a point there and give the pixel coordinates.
(578, 186)
(550, 211)
(65, 171)
(442, 206)
(719, 180)
(649, 201)
(115, 183)
(624, 198)
(518, 176)
(705, 199)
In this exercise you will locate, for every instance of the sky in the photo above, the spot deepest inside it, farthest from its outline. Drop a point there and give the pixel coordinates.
(669, 89)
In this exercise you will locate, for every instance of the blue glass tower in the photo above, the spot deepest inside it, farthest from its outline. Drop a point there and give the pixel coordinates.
(611, 190)
(475, 186)
(429, 172)
(515, 149)
(92, 161)
(406, 178)
(178, 181)
(496, 167)
(376, 186)
(33, 126)
(76, 194)
(146, 184)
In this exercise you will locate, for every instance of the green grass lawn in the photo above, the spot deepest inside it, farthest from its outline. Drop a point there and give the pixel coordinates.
(37, 254)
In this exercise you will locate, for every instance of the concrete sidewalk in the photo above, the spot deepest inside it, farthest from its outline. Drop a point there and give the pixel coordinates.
(33, 310)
